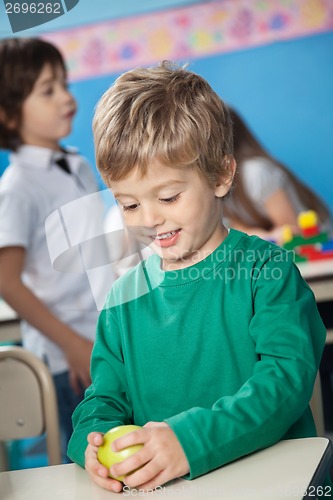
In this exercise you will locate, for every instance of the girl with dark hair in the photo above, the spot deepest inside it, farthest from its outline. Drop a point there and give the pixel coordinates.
(266, 195)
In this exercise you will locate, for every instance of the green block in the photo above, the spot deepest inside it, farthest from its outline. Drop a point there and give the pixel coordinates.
(299, 240)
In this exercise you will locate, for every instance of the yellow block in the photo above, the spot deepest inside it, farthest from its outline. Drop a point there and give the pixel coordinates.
(307, 219)
(287, 234)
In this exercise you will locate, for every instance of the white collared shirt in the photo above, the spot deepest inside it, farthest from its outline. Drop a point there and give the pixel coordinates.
(41, 207)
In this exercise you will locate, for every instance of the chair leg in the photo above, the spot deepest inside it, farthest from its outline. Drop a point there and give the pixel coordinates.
(3, 457)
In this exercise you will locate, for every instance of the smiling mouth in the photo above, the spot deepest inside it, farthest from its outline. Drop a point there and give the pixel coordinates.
(168, 239)
(165, 236)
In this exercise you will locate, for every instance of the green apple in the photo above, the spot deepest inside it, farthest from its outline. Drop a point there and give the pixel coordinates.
(107, 456)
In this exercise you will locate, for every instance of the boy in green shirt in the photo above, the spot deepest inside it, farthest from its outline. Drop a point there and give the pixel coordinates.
(212, 344)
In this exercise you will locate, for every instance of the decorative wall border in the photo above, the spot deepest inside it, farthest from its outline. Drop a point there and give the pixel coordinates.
(179, 34)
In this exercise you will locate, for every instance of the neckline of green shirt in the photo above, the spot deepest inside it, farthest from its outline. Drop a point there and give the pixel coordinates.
(158, 277)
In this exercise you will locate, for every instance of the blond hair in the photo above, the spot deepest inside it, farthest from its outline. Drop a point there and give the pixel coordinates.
(166, 113)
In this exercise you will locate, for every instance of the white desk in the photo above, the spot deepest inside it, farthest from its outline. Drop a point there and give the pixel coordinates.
(9, 323)
(284, 470)
(319, 275)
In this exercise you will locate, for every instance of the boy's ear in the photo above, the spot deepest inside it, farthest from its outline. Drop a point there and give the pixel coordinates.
(10, 124)
(224, 182)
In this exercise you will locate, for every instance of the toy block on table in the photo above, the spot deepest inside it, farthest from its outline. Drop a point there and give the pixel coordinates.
(298, 241)
(327, 246)
(311, 243)
(287, 234)
(308, 223)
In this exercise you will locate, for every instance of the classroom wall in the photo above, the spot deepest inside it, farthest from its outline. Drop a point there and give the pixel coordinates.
(282, 88)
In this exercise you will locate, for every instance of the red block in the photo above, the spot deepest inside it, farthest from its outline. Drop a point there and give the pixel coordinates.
(309, 251)
(323, 255)
(308, 232)
(313, 253)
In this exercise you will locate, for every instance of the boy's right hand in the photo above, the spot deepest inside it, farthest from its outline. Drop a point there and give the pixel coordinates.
(78, 353)
(97, 471)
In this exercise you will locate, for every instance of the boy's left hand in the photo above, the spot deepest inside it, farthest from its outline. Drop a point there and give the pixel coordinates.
(161, 459)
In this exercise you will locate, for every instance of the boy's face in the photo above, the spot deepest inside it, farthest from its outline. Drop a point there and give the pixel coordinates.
(48, 111)
(174, 211)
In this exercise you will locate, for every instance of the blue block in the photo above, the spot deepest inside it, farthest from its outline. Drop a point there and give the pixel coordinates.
(327, 246)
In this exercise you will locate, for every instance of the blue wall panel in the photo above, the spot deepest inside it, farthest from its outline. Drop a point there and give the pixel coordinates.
(284, 91)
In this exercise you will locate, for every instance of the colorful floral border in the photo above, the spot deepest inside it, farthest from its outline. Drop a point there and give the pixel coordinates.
(186, 33)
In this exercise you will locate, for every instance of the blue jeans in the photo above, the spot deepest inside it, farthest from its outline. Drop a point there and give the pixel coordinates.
(67, 402)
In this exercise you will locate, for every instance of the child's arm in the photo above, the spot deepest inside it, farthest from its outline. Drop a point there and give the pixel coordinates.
(288, 338)
(273, 403)
(105, 406)
(77, 349)
(280, 212)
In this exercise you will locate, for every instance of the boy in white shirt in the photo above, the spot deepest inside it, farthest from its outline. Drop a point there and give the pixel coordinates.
(58, 309)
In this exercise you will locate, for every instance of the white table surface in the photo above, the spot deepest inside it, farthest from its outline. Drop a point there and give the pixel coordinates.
(9, 324)
(316, 268)
(6, 312)
(284, 470)
(319, 275)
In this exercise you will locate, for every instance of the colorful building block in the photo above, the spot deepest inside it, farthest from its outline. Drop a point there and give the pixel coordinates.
(311, 243)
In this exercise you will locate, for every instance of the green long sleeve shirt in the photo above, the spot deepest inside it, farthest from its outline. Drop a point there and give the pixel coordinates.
(225, 351)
